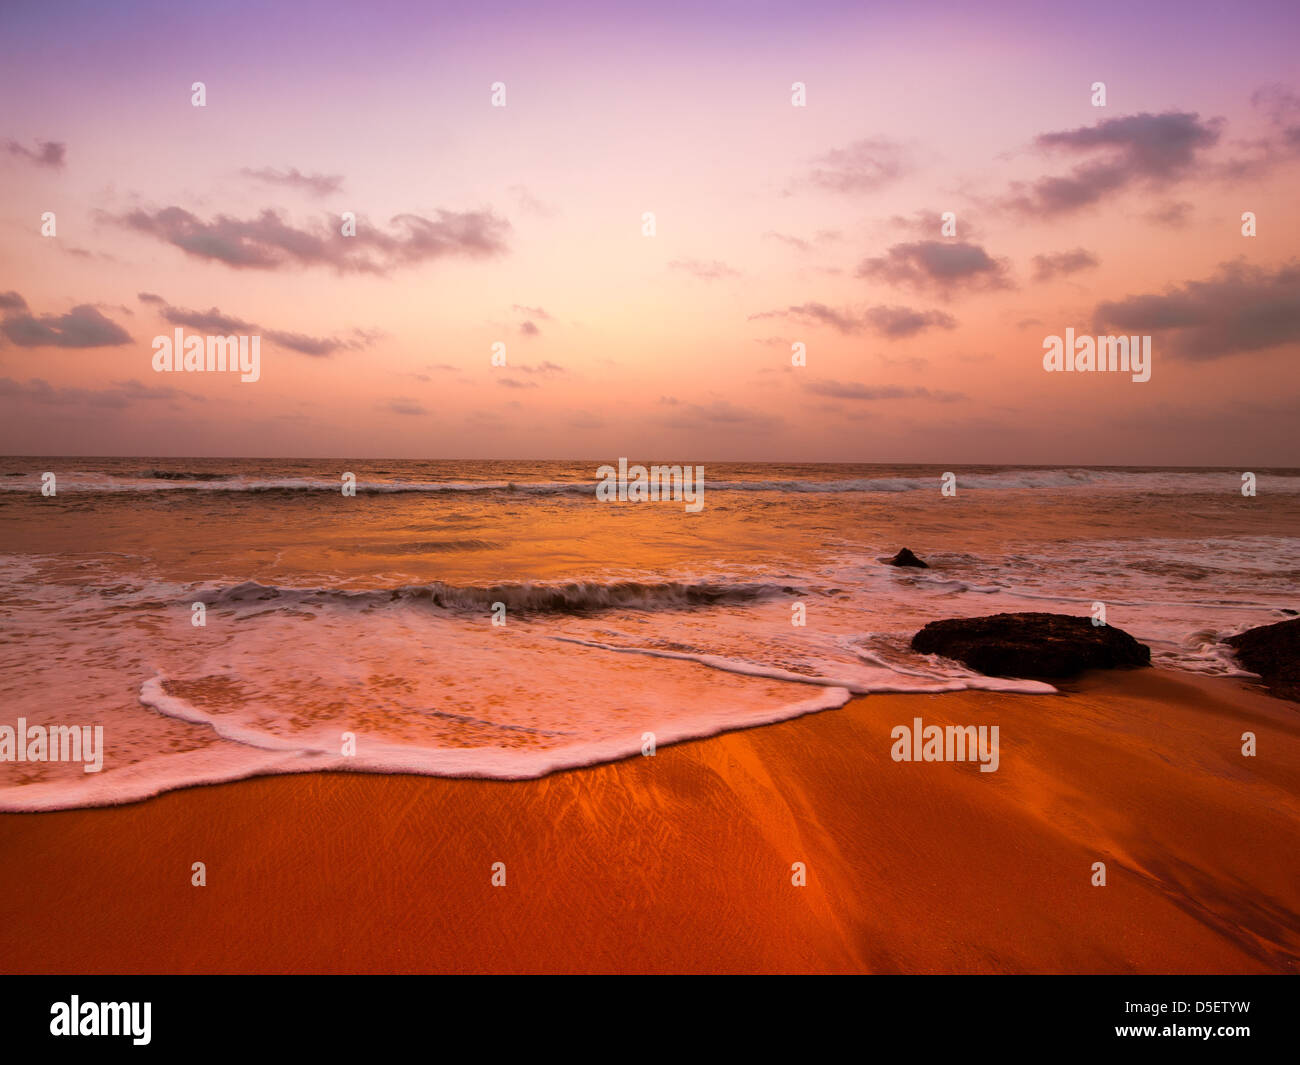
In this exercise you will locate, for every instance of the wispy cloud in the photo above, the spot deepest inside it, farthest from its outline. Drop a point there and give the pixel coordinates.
(864, 166)
(47, 153)
(710, 270)
(82, 327)
(1242, 308)
(213, 321)
(268, 242)
(1063, 263)
(313, 184)
(1153, 150)
(940, 266)
(870, 393)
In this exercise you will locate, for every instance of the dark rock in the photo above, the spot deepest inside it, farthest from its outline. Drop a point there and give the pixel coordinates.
(1272, 651)
(906, 558)
(1031, 645)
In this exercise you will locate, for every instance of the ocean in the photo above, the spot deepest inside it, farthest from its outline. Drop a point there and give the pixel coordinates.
(496, 619)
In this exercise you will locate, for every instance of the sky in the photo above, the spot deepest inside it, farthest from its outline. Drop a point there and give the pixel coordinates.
(797, 160)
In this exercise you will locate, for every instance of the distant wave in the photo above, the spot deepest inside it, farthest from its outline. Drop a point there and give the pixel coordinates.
(184, 475)
(154, 480)
(573, 597)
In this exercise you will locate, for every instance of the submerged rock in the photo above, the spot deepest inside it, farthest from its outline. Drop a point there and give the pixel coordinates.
(906, 558)
(1031, 645)
(1272, 651)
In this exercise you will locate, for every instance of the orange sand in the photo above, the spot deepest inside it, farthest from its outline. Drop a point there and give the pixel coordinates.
(682, 862)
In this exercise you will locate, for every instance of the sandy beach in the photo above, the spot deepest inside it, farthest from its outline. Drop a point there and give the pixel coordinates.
(682, 862)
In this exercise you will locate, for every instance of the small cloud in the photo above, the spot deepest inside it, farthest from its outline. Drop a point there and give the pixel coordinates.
(713, 270)
(1155, 150)
(940, 266)
(928, 223)
(864, 166)
(213, 321)
(823, 236)
(718, 413)
(854, 391)
(1063, 263)
(268, 242)
(403, 406)
(530, 204)
(121, 395)
(816, 314)
(893, 322)
(1171, 215)
(313, 184)
(82, 327)
(532, 312)
(511, 382)
(898, 322)
(529, 329)
(47, 153)
(1242, 308)
(11, 301)
(585, 420)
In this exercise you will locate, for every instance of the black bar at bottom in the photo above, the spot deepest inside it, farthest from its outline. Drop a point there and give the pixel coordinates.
(1224, 1016)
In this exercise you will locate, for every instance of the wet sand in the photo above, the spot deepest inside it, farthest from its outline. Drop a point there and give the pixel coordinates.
(682, 862)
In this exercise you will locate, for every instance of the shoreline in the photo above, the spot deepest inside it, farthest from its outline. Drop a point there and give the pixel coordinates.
(682, 862)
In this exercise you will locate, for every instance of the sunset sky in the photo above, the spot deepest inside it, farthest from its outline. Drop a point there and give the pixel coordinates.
(775, 224)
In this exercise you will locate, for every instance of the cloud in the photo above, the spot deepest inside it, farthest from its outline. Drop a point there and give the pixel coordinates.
(48, 153)
(893, 322)
(864, 166)
(267, 242)
(1281, 106)
(511, 382)
(547, 367)
(213, 321)
(313, 184)
(928, 223)
(936, 265)
(529, 328)
(712, 270)
(1170, 215)
(1063, 263)
(209, 321)
(586, 420)
(530, 204)
(150, 297)
(1241, 308)
(11, 301)
(717, 413)
(817, 314)
(1155, 150)
(898, 322)
(533, 312)
(822, 236)
(121, 395)
(403, 406)
(854, 391)
(912, 362)
(82, 327)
